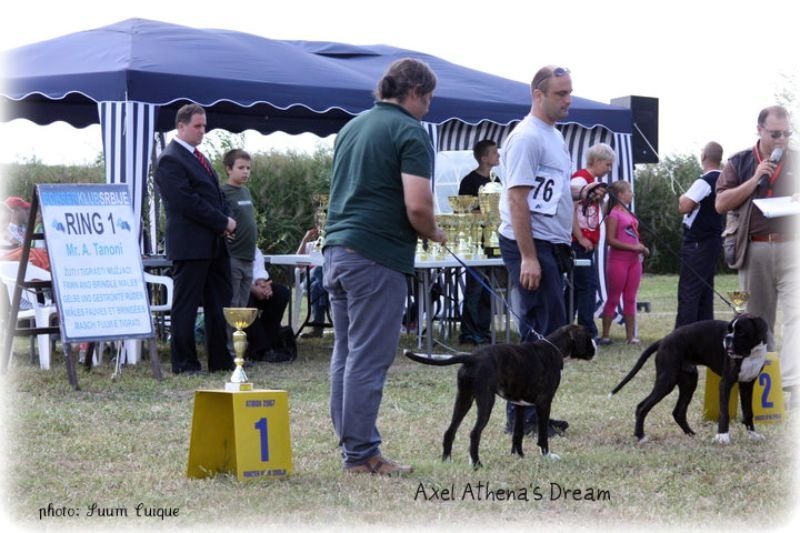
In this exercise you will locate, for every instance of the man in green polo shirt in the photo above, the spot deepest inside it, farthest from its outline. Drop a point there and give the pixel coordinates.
(380, 201)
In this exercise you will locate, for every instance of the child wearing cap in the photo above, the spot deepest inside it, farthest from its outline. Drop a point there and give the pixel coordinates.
(18, 221)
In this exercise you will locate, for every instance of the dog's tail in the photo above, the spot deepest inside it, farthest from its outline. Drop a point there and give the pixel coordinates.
(638, 366)
(439, 359)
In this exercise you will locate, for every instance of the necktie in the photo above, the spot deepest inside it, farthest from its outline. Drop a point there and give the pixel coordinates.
(203, 161)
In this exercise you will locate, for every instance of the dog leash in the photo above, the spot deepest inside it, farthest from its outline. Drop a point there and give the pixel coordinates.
(481, 279)
(666, 247)
(670, 250)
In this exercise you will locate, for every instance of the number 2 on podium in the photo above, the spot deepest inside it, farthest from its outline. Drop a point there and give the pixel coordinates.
(262, 428)
(765, 381)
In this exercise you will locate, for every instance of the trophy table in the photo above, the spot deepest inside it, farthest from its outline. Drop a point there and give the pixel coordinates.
(462, 206)
(490, 210)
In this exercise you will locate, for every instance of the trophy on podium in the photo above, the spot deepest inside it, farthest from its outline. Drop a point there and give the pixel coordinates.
(739, 300)
(239, 318)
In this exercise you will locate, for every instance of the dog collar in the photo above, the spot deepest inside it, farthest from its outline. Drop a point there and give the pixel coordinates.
(729, 351)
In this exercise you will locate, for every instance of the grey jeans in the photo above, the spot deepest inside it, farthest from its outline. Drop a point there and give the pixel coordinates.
(242, 280)
(367, 302)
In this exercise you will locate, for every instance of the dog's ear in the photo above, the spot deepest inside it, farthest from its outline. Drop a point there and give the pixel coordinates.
(574, 332)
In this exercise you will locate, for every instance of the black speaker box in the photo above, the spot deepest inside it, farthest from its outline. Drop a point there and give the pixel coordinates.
(644, 110)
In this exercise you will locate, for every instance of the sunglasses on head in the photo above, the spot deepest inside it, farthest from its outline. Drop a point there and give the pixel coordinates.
(557, 73)
(776, 134)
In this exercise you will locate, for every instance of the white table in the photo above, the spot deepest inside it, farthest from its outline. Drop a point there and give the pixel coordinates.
(451, 269)
(425, 272)
(300, 286)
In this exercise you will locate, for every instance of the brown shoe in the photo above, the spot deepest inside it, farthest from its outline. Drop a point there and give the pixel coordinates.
(377, 464)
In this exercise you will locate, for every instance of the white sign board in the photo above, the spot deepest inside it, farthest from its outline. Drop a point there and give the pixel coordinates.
(95, 262)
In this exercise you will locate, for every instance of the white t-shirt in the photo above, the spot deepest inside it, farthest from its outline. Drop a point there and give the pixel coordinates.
(259, 270)
(535, 155)
(696, 193)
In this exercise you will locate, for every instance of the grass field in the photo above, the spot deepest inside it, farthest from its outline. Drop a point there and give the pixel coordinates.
(119, 445)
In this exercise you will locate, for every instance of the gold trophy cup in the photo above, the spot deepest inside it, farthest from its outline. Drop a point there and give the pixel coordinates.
(239, 318)
(739, 300)
(489, 196)
(462, 206)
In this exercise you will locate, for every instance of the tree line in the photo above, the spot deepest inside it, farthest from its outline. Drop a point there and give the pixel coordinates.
(285, 185)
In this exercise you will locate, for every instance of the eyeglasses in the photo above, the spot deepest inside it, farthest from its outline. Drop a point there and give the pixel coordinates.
(557, 73)
(776, 134)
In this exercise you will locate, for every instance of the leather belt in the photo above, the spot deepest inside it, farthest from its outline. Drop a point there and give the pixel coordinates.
(772, 237)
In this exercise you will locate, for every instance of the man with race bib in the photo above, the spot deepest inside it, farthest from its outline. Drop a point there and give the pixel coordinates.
(536, 208)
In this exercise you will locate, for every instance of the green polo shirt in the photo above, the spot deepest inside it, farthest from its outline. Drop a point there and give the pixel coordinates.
(366, 209)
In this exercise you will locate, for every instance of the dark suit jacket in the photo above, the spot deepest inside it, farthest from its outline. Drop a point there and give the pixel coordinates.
(197, 211)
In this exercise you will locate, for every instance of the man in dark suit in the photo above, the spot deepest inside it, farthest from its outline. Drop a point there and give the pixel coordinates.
(198, 221)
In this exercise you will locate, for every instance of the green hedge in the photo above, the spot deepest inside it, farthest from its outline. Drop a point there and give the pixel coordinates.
(284, 188)
(284, 184)
(20, 178)
(657, 189)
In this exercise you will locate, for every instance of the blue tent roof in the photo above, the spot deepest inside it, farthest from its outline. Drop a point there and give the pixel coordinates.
(245, 81)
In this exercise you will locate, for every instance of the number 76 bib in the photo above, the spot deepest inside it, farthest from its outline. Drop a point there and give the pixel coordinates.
(546, 192)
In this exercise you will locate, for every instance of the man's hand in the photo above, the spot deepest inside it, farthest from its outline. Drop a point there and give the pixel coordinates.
(530, 274)
(765, 167)
(262, 289)
(439, 236)
(230, 228)
(594, 192)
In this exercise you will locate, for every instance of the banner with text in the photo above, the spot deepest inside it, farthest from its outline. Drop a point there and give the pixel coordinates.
(95, 262)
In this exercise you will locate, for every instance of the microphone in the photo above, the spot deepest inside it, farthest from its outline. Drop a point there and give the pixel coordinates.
(774, 157)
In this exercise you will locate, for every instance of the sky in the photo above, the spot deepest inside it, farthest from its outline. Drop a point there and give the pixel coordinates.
(712, 65)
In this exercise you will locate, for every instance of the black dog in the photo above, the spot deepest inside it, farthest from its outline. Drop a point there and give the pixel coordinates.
(524, 374)
(735, 351)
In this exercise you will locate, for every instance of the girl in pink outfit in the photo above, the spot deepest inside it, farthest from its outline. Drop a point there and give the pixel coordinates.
(624, 271)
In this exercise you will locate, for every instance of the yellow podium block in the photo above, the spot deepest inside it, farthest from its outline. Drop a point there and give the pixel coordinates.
(245, 433)
(711, 403)
(767, 394)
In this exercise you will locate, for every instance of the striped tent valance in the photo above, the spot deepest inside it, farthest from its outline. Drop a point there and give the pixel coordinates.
(457, 135)
(127, 129)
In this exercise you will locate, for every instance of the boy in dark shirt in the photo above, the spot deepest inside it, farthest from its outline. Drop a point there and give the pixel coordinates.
(476, 314)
